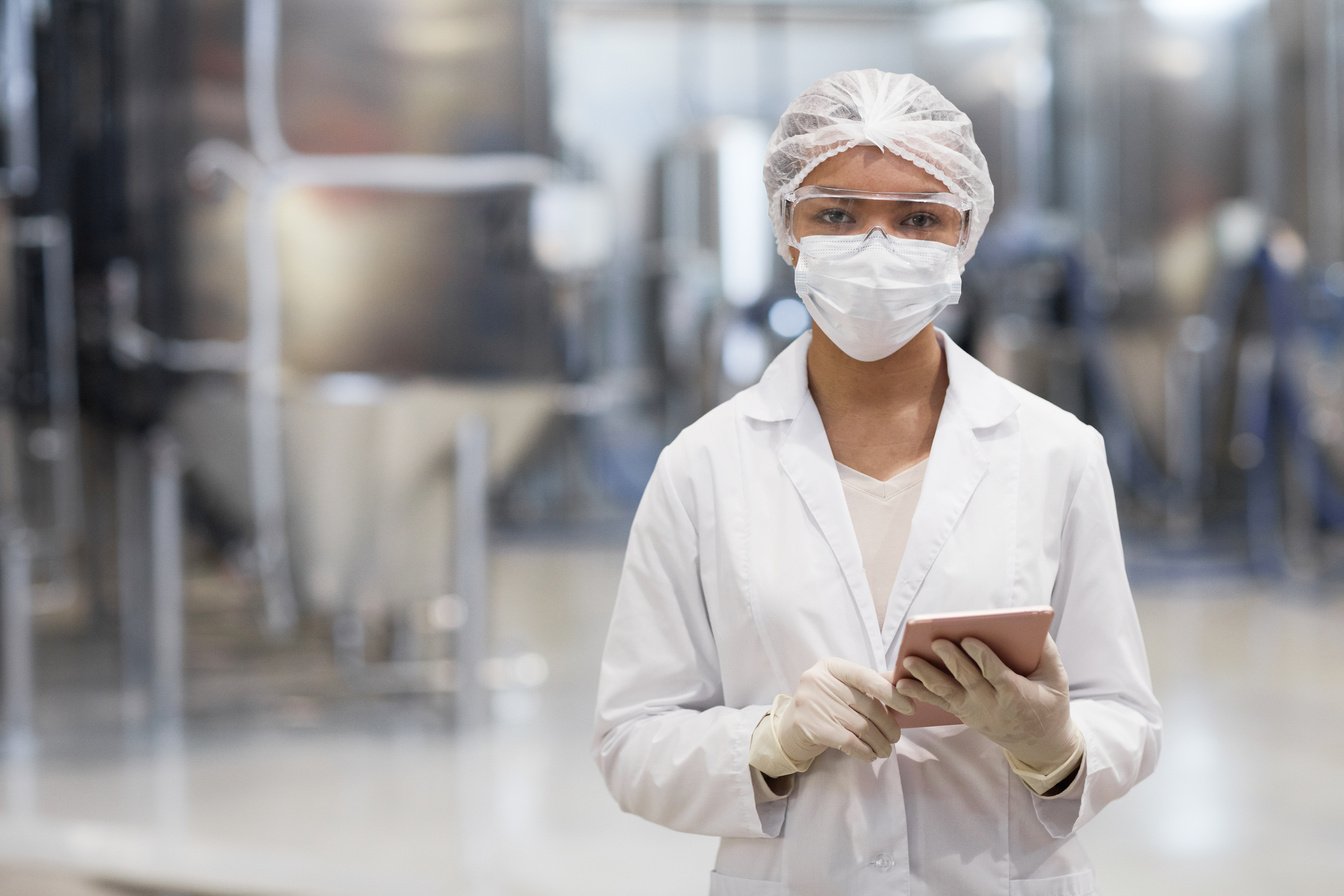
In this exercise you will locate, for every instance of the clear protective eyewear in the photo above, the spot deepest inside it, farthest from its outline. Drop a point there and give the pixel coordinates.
(830, 211)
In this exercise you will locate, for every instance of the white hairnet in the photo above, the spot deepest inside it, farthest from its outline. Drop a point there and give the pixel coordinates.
(900, 113)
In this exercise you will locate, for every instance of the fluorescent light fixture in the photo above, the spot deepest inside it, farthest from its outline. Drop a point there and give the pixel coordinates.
(1199, 12)
(1179, 57)
(746, 241)
(992, 21)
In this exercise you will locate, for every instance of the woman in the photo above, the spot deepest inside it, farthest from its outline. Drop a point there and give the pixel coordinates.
(875, 472)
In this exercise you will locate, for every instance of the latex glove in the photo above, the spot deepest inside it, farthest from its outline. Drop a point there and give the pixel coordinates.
(842, 706)
(1027, 716)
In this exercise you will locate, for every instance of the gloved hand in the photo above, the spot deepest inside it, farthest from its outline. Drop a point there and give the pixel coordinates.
(1027, 716)
(843, 706)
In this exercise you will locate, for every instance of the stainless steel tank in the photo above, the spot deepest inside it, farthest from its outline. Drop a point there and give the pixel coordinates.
(351, 204)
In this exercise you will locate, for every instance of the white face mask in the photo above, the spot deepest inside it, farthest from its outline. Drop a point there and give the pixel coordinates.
(870, 293)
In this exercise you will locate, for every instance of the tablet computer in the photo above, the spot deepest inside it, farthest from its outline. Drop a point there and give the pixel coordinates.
(1016, 634)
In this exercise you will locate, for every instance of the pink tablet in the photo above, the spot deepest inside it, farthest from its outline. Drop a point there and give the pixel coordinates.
(1016, 635)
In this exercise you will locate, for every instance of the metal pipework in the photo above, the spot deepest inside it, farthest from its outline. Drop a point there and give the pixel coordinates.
(471, 557)
(20, 98)
(166, 588)
(149, 495)
(133, 576)
(1325, 128)
(50, 235)
(17, 595)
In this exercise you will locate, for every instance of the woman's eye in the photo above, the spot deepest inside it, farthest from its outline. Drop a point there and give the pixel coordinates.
(922, 220)
(834, 216)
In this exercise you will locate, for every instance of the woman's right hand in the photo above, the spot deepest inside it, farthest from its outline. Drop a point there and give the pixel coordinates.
(842, 706)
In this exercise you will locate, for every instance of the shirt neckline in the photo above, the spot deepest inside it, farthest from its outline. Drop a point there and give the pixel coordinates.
(886, 489)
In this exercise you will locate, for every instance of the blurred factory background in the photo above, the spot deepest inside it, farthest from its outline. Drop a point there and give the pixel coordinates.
(338, 339)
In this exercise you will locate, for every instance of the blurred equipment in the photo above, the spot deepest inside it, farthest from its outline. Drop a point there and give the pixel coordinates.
(389, 265)
(330, 283)
(716, 264)
(42, 530)
(1192, 341)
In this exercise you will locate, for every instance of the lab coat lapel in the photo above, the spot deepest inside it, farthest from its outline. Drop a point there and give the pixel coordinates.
(957, 464)
(808, 462)
(977, 402)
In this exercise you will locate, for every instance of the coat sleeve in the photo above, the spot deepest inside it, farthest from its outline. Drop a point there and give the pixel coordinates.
(1110, 690)
(669, 749)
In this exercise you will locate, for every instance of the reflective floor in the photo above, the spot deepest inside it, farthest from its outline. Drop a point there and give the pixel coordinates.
(279, 787)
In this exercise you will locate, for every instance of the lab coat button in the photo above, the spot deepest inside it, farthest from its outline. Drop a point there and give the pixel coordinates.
(884, 862)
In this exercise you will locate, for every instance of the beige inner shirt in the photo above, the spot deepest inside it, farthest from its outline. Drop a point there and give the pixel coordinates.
(881, 513)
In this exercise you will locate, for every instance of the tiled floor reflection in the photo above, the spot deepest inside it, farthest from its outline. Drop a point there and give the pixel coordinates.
(305, 796)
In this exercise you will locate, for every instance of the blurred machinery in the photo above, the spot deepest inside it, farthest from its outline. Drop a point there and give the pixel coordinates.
(1191, 283)
(1144, 152)
(716, 264)
(308, 271)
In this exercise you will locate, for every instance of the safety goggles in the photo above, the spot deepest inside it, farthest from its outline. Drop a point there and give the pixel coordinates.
(830, 211)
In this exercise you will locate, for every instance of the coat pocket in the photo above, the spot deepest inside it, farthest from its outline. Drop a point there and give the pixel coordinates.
(1081, 883)
(723, 885)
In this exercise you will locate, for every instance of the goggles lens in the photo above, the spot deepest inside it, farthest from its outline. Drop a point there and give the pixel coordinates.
(826, 211)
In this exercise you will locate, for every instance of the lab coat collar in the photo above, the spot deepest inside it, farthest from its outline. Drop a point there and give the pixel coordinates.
(782, 390)
(782, 393)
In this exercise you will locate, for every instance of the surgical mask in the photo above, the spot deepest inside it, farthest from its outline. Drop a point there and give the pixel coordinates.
(871, 293)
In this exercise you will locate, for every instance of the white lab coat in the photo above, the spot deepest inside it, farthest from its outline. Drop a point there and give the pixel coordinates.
(743, 570)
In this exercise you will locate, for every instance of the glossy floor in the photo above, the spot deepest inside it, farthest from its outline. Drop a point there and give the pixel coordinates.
(302, 794)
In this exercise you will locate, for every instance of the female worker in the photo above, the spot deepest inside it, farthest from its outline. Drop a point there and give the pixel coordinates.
(875, 472)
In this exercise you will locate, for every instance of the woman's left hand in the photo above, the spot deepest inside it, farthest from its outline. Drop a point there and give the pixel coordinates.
(1027, 716)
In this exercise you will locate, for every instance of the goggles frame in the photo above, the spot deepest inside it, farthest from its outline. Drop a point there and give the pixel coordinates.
(815, 191)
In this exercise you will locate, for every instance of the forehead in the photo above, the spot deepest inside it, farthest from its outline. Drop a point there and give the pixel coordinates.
(869, 168)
